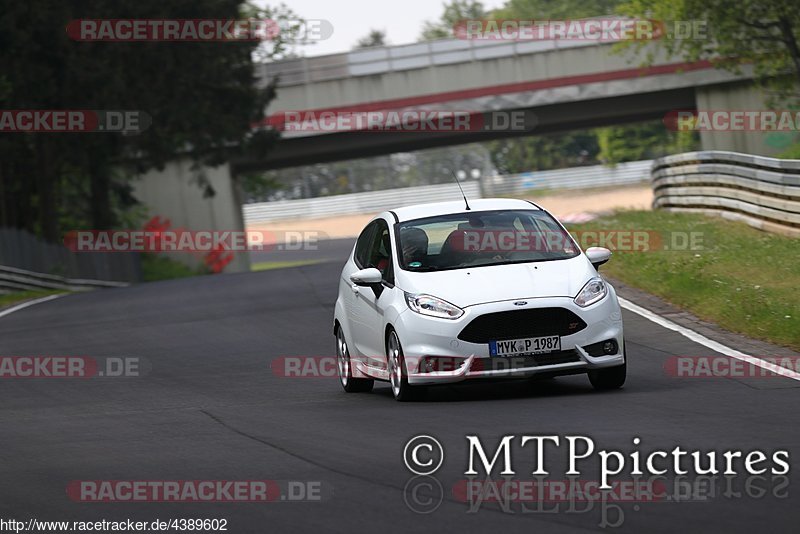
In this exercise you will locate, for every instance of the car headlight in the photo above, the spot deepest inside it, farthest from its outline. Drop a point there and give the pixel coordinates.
(594, 290)
(435, 307)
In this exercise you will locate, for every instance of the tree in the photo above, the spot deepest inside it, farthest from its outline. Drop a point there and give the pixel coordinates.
(202, 98)
(761, 33)
(454, 12)
(373, 38)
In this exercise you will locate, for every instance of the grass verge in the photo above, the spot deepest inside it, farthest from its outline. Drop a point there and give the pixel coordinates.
(269, 265)
(742, 279)
(9, 299)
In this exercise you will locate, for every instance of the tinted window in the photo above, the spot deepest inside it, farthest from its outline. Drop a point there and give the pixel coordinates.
(380, 253)
(364, 244)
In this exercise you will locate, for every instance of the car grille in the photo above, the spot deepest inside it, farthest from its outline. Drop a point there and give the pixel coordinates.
(518, 324)
(519, 362)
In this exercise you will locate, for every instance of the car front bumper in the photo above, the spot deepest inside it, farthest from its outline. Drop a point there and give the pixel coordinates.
(425, 337)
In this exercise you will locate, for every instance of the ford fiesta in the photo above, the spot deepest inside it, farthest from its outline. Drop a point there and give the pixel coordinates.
(442, 293)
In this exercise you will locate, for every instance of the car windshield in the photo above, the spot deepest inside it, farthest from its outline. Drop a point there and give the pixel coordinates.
(478, 239)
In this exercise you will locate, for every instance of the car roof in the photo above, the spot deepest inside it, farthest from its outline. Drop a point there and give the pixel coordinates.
(419, 211)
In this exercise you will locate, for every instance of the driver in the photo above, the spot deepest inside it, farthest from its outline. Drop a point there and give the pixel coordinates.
(415, 245)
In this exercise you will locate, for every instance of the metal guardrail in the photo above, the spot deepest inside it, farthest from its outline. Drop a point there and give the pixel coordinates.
(27, 262)
(762, 192)
(21, 280)
(375, 201)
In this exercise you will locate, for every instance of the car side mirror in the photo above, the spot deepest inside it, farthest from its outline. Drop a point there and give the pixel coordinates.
(598, 256)
(366, 277)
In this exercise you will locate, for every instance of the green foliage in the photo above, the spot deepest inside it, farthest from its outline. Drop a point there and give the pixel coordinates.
(454, 12)
(761, 33)
(373, 38)
(647, 140)
(543, 152)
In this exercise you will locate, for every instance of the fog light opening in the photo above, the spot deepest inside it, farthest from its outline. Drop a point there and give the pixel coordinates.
(610, 347)
(438, 364)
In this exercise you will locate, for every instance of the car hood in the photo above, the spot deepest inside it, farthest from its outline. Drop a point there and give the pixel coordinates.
(478, 285)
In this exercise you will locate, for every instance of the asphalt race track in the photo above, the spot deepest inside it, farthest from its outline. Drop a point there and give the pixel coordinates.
(211, 407)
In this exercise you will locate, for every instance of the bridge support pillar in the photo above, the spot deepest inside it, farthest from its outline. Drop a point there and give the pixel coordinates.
(174, 193)
(740, 97)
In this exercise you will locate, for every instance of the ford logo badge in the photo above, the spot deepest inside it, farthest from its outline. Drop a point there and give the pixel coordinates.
(520, 303)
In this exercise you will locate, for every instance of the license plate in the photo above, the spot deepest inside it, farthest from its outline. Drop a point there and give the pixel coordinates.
(531, 345)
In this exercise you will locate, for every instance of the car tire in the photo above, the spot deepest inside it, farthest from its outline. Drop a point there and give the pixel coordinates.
(402, 391)
(610, 377)
(345, 368)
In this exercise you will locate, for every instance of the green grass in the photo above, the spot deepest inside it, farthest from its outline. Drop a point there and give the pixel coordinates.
(744, 280)
(9, 299)
(155, 267)
(269, 265)
(792, 152)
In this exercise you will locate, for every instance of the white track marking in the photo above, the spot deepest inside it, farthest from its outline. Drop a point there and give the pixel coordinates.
(18, 307)
(706, 342)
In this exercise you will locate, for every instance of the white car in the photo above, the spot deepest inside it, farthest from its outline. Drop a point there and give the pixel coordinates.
(438, 293)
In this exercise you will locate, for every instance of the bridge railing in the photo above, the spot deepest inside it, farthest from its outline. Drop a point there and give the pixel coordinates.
(379, 60)
(762, 192)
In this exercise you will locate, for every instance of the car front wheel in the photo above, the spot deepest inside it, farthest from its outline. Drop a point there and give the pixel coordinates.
(610, 377)
(345, 368)
(398, 372)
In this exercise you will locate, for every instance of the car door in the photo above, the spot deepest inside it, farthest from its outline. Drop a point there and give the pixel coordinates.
(358, 314)
(370, 302)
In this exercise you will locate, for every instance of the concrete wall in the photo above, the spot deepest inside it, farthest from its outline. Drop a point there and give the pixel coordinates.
(174, 193)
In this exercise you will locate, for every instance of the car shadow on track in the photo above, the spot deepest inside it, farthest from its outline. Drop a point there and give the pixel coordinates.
(487, 390)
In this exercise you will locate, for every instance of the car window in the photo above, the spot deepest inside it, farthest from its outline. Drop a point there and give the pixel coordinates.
(380, 255)
(364, 244)
(480, 239)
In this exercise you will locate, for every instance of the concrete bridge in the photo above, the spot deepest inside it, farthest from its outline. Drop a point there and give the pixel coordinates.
(565, 85)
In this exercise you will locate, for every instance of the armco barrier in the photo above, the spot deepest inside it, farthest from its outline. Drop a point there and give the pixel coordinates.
(22, 280)
(28, 263)
(375, 201)
(762, 192)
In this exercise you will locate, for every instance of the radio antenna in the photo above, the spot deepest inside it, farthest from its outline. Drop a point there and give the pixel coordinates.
(455, 177)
